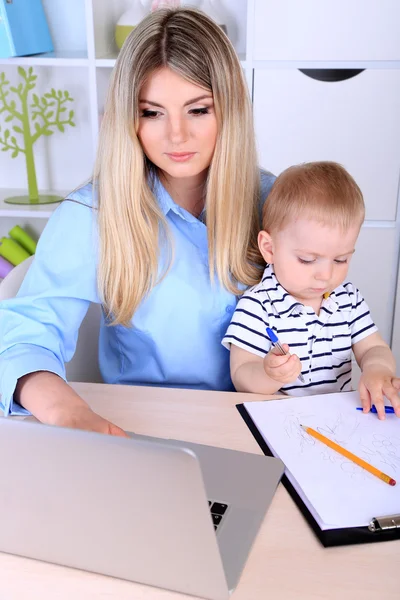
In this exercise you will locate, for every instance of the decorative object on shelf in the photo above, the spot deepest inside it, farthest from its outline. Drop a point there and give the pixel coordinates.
(48, 113)
(213, 9)
(129, 19)
(156, 4)
(12, 251)
(5, 267)
(24, 239)
(23, 28)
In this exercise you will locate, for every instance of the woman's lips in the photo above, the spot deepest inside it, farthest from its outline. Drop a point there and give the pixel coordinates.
(180, 156)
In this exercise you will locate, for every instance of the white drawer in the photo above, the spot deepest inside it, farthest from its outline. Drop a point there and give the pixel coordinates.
(396, 327)
(355, 122)
(327, 30)
(372, 270)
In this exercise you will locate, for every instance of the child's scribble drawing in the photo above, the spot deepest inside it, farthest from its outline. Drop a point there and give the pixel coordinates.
(377, 449)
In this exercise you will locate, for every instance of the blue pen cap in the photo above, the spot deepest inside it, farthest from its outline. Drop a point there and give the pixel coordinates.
(272, 335)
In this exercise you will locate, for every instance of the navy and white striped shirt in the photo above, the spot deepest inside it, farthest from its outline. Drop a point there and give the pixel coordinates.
(323, 342)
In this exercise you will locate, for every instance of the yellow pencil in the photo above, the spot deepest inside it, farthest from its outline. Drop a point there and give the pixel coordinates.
(349, 455)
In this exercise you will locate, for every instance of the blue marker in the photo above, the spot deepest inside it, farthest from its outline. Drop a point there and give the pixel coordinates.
(276, 344)
(388, 409)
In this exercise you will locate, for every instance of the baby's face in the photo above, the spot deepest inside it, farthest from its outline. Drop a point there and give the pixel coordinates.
(311, 259)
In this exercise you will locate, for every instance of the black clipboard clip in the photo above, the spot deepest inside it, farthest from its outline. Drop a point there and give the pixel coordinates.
(384, 523)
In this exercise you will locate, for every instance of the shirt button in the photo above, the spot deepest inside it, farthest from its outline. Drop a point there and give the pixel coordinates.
(229, 310)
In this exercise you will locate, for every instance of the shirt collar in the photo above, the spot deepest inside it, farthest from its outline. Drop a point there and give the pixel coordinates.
(338, 300)
(280, 299)
(167, 204)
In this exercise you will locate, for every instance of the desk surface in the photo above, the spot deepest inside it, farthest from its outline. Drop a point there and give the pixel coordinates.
(286, 562)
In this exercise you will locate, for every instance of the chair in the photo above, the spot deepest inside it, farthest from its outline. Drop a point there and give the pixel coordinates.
(84, 365)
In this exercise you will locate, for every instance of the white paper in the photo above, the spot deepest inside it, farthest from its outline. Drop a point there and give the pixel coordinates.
(337, 491)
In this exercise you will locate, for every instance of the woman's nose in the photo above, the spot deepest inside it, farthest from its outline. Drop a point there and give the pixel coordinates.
(177, 130)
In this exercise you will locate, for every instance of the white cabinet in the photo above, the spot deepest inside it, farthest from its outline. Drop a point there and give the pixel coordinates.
(373, 270)
(326, 30)
(297, 118)
(355, 122)
(106, 14)
(396, 323)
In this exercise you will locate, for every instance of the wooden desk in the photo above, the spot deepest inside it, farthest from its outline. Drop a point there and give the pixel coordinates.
(286, 563)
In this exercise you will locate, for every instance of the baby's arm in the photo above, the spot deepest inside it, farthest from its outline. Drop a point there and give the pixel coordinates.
(262, 375)
(378, 367)
(254, 366)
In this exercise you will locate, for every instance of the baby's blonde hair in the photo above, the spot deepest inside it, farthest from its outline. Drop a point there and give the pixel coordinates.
(321, 191)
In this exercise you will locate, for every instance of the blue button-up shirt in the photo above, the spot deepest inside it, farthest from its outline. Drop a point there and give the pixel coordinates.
(178, 328)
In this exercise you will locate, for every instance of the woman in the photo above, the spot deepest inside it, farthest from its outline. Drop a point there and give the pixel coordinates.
(165, 236)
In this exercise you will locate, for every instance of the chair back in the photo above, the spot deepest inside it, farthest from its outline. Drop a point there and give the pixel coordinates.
(84, 365)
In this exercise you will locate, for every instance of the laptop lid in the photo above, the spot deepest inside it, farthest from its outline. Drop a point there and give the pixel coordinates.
(128, 508)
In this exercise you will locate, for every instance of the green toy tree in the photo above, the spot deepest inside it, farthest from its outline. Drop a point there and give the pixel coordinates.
(48, 113)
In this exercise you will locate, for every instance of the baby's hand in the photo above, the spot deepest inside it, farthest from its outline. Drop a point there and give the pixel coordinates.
(284, 369)
(375, 383)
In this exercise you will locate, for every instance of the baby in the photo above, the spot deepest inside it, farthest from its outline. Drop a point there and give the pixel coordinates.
(311, 221)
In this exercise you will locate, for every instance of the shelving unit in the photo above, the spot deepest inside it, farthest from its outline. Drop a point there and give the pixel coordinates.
(297, 118)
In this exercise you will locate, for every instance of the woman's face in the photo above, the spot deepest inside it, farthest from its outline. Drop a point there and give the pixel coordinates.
(177, 126)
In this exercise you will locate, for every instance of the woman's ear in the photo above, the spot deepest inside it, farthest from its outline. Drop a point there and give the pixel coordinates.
(266, 247)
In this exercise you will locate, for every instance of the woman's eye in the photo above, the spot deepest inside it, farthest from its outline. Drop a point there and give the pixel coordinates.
(340, 262)
(150, 114)
(305, 262)
(199, 111)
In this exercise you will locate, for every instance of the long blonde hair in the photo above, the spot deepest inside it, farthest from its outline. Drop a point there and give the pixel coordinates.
(131, 224)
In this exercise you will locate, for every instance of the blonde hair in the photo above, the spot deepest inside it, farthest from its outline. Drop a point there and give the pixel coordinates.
(131, 225)
(322, 191)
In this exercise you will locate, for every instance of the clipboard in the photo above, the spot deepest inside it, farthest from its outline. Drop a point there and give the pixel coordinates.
(380, 529)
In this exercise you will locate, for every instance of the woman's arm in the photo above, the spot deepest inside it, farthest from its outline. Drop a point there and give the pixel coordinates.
(39, 327)
(52, 401)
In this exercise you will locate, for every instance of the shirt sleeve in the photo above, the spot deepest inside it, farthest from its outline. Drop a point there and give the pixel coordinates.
(247, 328)
(361, 323)
(39, 327)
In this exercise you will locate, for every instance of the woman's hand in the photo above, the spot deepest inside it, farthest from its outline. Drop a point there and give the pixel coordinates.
(283, 368)
(376, 382)
(84, 418)
(54, 402)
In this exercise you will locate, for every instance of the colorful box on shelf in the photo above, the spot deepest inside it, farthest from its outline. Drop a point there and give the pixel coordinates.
(24, 239)
(5, 267)
(12, 251)
(20, 247)
(23, 28)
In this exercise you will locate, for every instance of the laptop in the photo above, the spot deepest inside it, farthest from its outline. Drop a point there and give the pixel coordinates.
(166, 513)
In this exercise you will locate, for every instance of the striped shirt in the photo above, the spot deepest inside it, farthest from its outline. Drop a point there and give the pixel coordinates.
(323, 342)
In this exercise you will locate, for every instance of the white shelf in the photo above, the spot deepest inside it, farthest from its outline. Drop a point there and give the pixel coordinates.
(109, 60)
(39, 211)
(50, 59)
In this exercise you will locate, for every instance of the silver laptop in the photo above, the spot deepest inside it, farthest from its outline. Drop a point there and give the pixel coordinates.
(171, 514)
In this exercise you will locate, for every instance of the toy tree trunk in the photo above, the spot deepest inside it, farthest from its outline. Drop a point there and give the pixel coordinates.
(29, 157)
